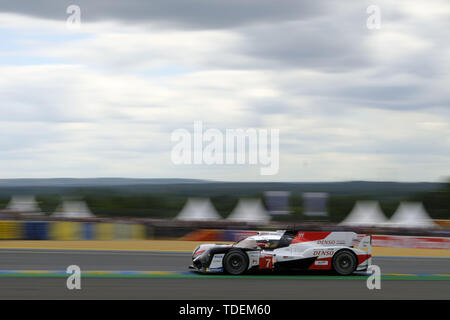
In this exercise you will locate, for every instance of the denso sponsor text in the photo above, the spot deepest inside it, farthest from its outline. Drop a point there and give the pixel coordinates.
(326, 241)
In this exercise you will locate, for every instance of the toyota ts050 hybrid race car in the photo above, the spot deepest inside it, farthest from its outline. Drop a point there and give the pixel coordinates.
(342, 252)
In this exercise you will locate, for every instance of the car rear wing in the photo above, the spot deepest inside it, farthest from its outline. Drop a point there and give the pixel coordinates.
(365, 244)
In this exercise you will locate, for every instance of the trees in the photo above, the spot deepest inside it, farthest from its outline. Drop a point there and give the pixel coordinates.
(437, 202)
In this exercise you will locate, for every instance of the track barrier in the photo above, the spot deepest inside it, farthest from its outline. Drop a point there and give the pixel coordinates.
(71, 230)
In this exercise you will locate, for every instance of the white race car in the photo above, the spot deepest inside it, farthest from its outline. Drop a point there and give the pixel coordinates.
(343, 252)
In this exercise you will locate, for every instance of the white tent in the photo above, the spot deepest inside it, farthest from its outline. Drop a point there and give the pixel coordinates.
(411, 215)
(198, 209)
(249, 210)
(73, 209)
(365, 214)
(24, 205)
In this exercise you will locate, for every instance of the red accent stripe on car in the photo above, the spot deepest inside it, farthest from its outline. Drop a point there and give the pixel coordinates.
(309, 236)
(199, 252)
(363, 257)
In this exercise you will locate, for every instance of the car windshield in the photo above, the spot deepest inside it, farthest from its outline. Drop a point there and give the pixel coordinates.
(246, 243)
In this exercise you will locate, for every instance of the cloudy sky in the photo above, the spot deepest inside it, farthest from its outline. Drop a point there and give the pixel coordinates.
(350, 103)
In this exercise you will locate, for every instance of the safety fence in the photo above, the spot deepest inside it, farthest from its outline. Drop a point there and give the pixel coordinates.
(65, 230)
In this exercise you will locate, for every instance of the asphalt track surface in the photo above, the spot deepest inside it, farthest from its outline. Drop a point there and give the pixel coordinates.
(40, 274)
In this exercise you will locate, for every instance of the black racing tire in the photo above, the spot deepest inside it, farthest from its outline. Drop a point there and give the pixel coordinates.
(235, 262)
(344, 262)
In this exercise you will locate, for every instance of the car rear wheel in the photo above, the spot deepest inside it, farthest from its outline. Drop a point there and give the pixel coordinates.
(344, 262)
(235, 262)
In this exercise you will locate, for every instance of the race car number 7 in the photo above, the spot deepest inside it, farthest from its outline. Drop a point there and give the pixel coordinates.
(265, 262)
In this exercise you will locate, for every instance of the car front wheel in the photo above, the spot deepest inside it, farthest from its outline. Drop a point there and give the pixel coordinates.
(235, 262)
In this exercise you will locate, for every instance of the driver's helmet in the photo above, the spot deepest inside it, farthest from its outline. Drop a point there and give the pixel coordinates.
(262, 243)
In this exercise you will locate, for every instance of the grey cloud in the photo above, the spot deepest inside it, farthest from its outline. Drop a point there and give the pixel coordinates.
(327, 45)
(381, 93)
(314, 55)
(185, 13)
(269, 106)
(390, 144)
